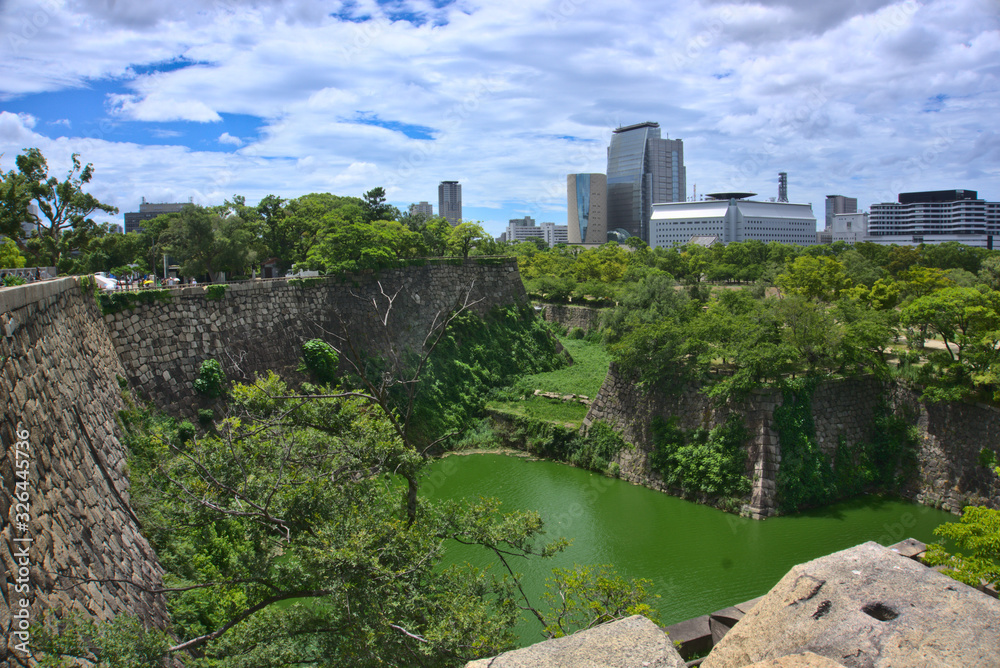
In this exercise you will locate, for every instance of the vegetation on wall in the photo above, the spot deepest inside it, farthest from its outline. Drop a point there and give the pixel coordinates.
(211, 380)
(701, 461)
(883, 463)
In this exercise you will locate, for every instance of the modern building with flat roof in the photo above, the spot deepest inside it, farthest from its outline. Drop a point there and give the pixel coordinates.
(149, 211)
(935, 217)
(521, 229)
(730, 217)
(450, 201)
(422, 207)
(586, 208)
(839, 204)
(643, 169)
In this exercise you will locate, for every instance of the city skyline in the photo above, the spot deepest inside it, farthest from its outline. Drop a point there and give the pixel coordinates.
(178, 101)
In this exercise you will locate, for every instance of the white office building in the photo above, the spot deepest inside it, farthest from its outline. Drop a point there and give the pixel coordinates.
(849, 227)
(730, 217)
(935, 217)
(521, 229)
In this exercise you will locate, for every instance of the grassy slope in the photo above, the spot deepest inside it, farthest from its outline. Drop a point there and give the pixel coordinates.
(584, 376)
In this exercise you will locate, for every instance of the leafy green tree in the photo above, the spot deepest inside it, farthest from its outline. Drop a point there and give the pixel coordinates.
(10, 255)
(464, 237)
(64, 226)
(977, 536)
(285, 543)
(585, 596)
(820, 278)
(204, 242)
(375, 207)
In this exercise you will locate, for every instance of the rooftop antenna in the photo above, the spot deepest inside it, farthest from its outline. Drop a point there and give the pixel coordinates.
(783, 187)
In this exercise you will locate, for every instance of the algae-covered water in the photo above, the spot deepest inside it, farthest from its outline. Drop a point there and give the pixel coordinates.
(700, 559)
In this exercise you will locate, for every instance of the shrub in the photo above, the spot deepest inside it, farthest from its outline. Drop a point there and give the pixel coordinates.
(205, 416)
(211, 380)
(185, 432)
(215, 292)
(576, 333)
(320, 359)
(11, 280)
(702, 461)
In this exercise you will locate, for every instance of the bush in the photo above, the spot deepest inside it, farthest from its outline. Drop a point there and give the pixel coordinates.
(320, 360)
(215, 292)
(11, 280)
(702, 461)
(211, 380)
(185, 432)
(576, 333)
(205, 416)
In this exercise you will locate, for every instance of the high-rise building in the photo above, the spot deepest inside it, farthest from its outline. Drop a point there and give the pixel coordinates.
(643, 169)
(935, 217)
(586, 208)
(149, 211)
(450, 201)
(839, 204)
(423, 207)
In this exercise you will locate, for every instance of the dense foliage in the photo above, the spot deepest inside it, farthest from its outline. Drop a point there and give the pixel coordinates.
(807, 477)
(701, 461)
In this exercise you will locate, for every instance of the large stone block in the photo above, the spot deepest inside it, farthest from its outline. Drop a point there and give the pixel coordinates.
(634, 641)
(867, 607)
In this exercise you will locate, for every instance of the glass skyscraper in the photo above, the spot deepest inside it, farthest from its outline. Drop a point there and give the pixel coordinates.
(586, 197)
(643, 169)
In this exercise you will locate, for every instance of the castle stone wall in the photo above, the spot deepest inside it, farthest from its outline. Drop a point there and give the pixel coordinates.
(951, 434)
(261, 325)
(58, 371)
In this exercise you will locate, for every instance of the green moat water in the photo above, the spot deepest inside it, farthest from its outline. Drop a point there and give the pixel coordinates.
(700, 559)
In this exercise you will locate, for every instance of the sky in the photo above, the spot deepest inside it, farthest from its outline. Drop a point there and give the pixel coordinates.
(178, 100)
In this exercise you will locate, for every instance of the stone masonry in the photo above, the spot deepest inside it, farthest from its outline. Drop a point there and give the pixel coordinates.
(951, 434)
(584, 317)
(58, 370)
(61, 362)
(261, 325)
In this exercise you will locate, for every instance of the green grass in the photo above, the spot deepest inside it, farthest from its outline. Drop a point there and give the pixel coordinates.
(540, 408)
(584, 376)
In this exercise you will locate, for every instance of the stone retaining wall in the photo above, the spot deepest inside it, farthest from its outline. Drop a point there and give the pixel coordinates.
(61, 362)
(951, 435)
(58, 371)
(261, 325)
(585, 317)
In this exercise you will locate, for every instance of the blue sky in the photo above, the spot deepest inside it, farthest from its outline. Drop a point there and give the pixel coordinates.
(193, 100)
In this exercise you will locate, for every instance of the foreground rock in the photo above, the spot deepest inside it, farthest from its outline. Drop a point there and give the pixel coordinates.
(866, 607)
(634, 642)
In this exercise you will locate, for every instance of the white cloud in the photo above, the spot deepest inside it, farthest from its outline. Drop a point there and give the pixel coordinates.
(228, 139)
(517, 94)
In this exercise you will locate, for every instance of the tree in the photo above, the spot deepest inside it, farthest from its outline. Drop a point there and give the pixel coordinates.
(820, 278)
(464, 237)
(977, 535)
(205, 242)
(10, 256)
(376, 208)
(64, 225)
(285, 543)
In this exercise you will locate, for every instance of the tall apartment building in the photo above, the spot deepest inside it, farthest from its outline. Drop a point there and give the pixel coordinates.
(149, 211)
(450, 201)
(423, 207)
(839, 204)
(586, 208)
(935, 217)
(643, 169)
